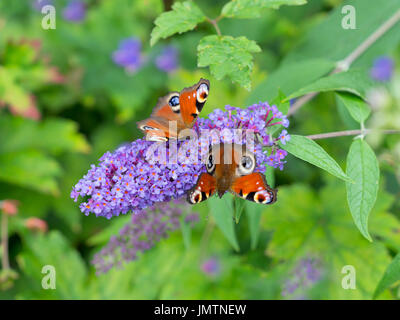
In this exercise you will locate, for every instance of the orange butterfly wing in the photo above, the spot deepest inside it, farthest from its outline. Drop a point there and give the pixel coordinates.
(205, 187)
(192, 101)
(254, 187)
(181, 108)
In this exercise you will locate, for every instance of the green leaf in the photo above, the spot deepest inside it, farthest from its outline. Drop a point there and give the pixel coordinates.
(281, 101)
(308, 150)
(270, 176)
(289, 78)
(363, 168)
(53, 135)
(30, 169)
(318, 225)
(183, 17)
(222, 211)
(247, 9)
(391, 276)
(228, 56)
(12, 93)
(114, 227)
(355, 81)
(254, 211)
(238, 206)
(385, 228)
(54, 250)
(357, 108)
(345, 116)
(318, 43)
(186, 232)
(317, 54)
(283, 106)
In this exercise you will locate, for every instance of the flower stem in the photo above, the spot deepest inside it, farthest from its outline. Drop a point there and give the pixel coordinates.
(206, 237)
(345, 64)
(4, 242)
(350, 133)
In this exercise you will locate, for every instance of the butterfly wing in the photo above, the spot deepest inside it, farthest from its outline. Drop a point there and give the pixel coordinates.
(254, 187)
(192, 101)
(180, 108)
(157, 127)
(204, 188)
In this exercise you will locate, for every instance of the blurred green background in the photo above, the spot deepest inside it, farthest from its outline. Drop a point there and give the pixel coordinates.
(64, 101)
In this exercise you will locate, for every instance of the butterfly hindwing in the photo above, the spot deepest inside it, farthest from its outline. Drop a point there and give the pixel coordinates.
(204, 188)
(254, 187)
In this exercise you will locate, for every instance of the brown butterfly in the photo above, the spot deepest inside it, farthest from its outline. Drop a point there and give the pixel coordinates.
(230, 167)
(183, 107)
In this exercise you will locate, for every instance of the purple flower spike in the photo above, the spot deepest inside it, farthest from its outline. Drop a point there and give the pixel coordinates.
(142, 173)
(168, 59)
(211, 267)
(305, 275)
(126, 181)
(143, 232)
(382, 69)
(128, 54)
(75, 11)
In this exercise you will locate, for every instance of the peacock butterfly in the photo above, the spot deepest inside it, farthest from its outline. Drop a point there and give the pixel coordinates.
(230, 167)
(182, 107)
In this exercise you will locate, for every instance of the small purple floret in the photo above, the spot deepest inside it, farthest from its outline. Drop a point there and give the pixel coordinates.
(128, 54)
(382, 69)
(75, 11)
(211, 267)
(168, 59)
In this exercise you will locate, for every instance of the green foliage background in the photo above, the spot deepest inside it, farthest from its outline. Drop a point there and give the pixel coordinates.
(274, 52)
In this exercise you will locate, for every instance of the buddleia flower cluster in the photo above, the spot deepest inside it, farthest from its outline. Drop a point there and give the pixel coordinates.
(146, 228)
(140, 174)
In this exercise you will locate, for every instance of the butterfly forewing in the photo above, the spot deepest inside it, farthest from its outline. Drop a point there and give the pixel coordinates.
(175, 112)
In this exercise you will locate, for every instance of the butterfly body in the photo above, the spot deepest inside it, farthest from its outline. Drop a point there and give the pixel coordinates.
(230, 168)
(175, 112)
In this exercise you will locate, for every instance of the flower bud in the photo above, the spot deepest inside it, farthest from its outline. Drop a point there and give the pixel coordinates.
(9, 207)
(36, 224)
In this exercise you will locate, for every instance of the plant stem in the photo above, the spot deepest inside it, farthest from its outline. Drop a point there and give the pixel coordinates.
(350, 133)
(215, 24)
(388, 24)
(206, 237)
(4, 242)
(167, 5)
(345, 64)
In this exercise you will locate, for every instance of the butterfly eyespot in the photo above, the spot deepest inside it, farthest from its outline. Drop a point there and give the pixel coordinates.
(247, 164)
(174, 101)
(196, 196)
(262, 197)
(202, 93)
